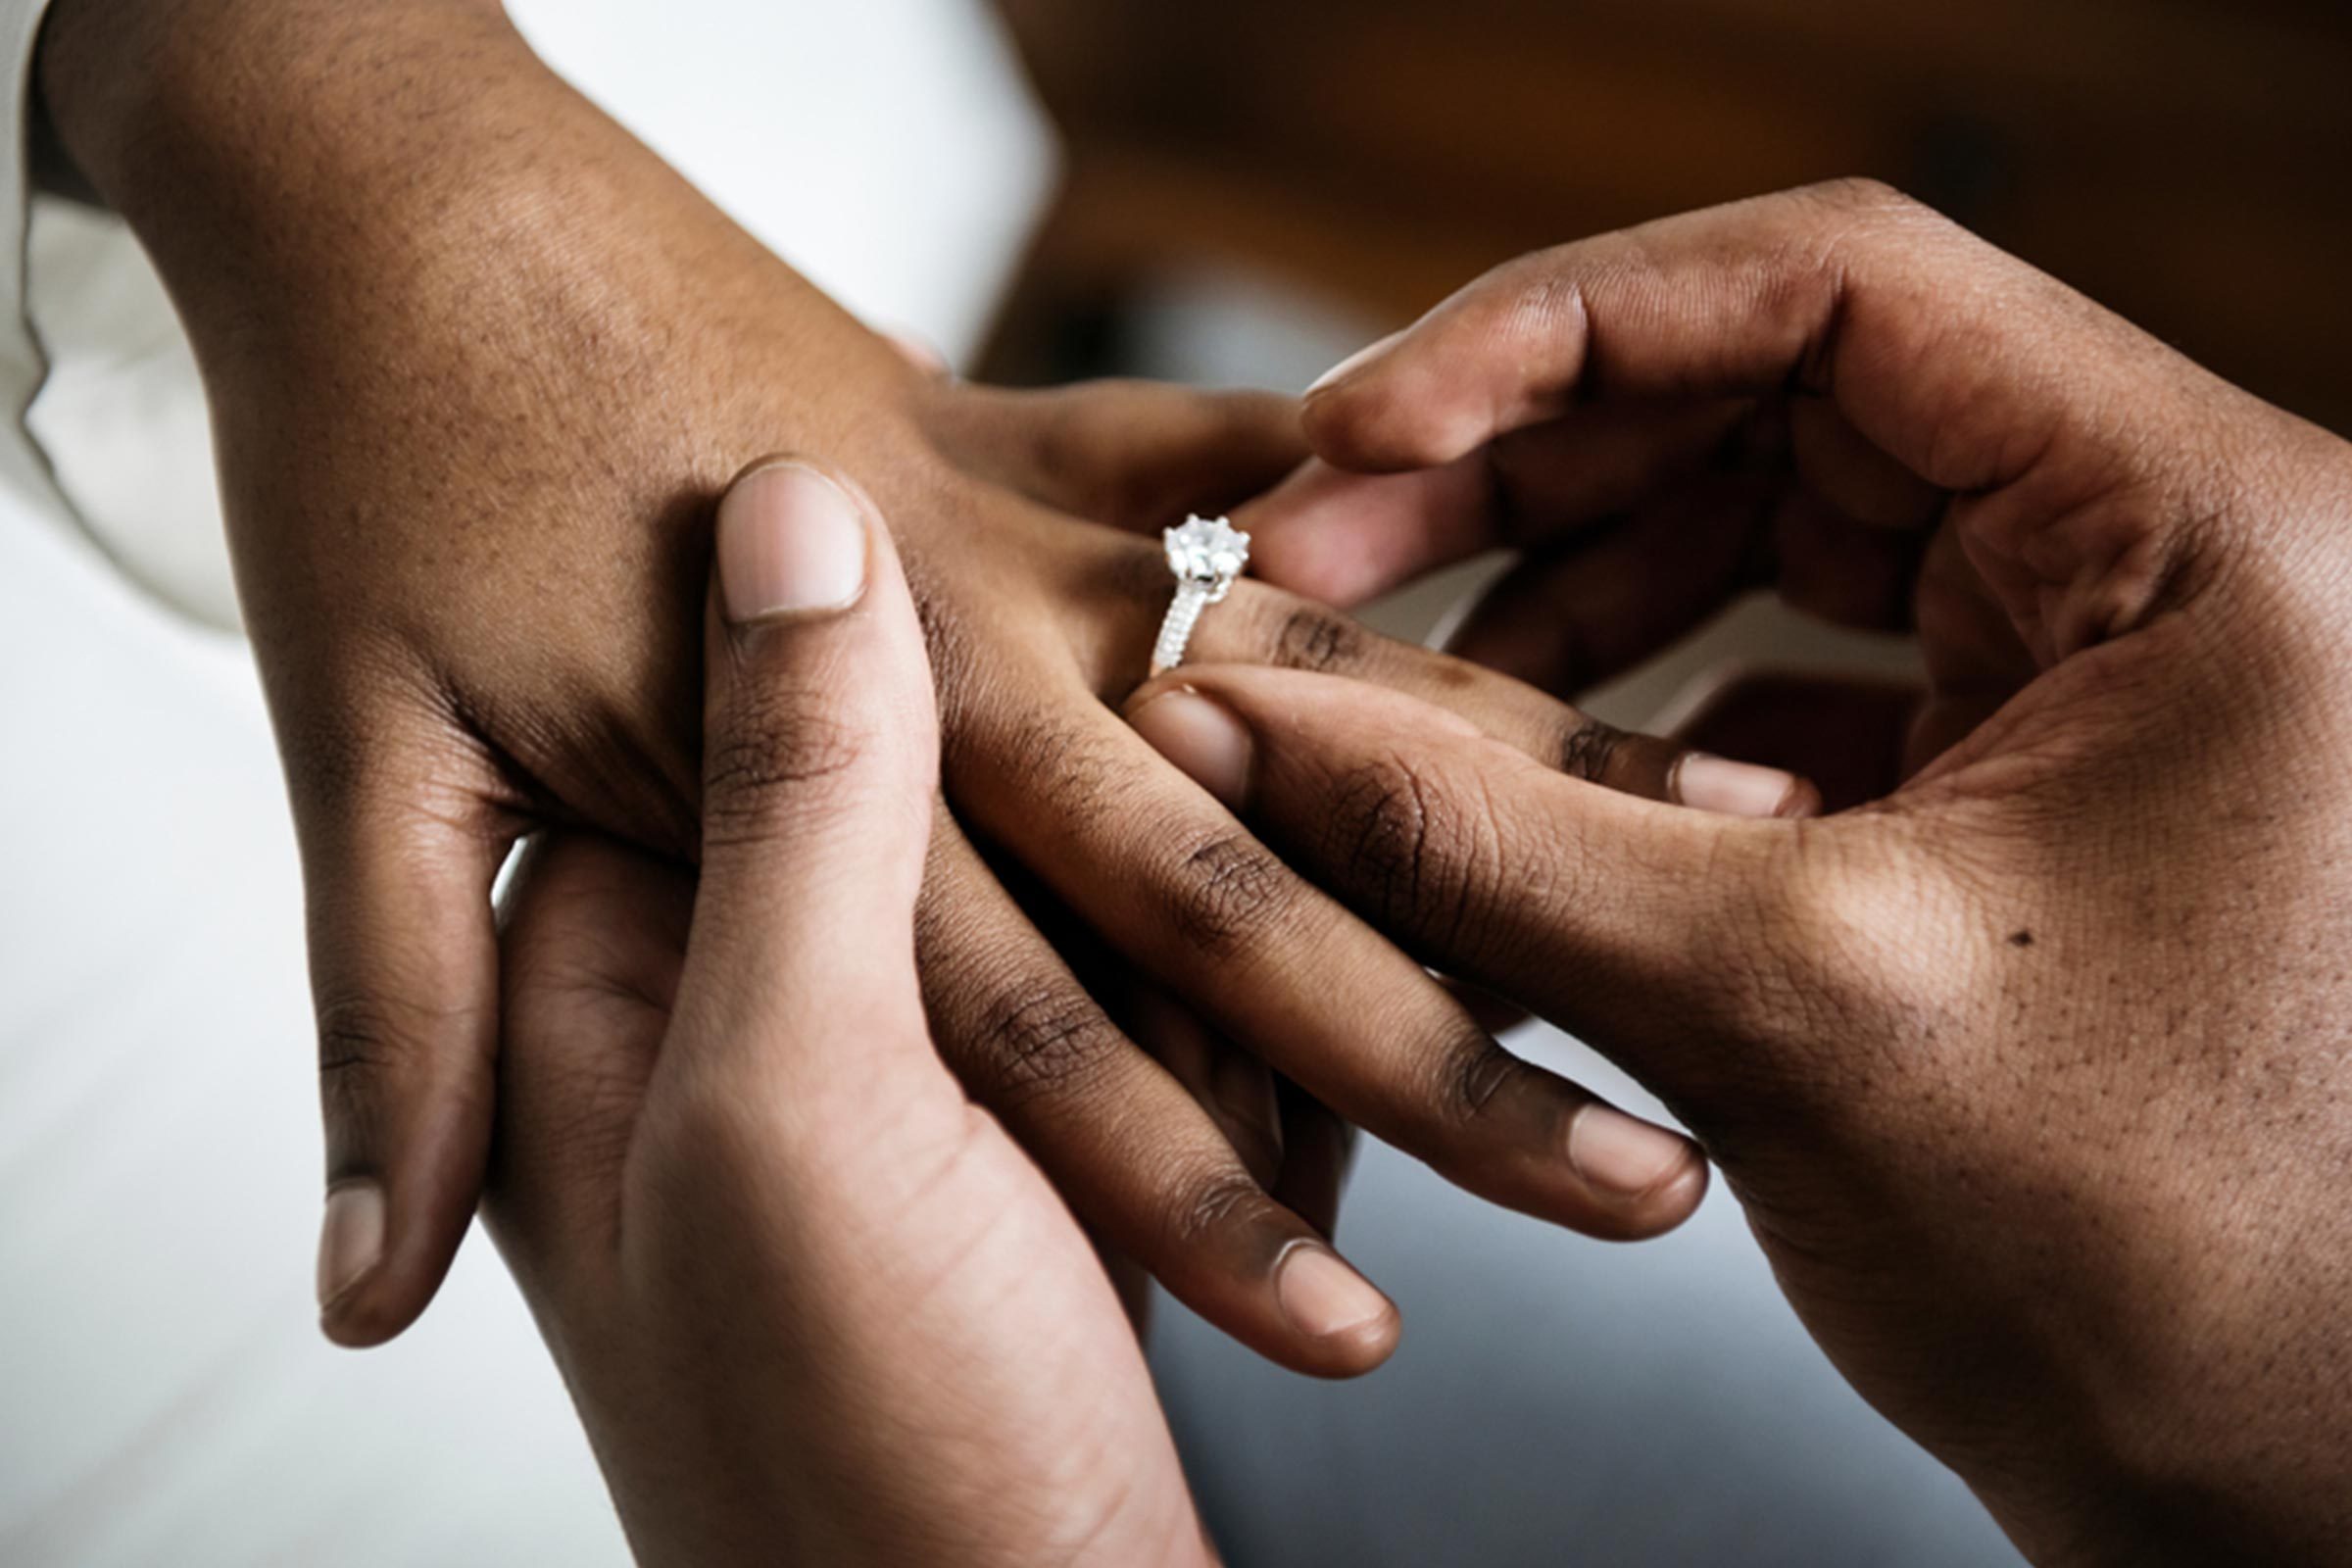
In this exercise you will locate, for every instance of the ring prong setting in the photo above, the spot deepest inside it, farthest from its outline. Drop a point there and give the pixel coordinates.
(1206, 555)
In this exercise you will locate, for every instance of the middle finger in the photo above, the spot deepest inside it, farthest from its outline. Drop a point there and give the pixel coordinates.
(1153, 863)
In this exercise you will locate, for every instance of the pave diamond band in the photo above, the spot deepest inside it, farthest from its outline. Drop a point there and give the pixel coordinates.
(1206, 555)
(1177, 629)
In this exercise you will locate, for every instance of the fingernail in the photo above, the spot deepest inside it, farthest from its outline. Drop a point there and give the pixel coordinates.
(790, 541)
(1201, 736)
(1353, 362)
(1322, 1296)
(351, 1238)
(1613, 1151)
(1741, 789)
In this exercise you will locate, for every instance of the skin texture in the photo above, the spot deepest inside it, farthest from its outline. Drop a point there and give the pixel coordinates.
(479, 366)
(814, 1305)
(2032, 1073)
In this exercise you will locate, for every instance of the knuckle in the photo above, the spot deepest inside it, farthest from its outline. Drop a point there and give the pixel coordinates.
(783, 744)
(1821, 898)
(1064, 769)
(1226, 891)
(1318, 640)
(1588, 747)
(1478, 1074)
(1543, 301)
(1854, 216)
(1863, 195)
(1209, 1201)
(1041, 1042)
(1418, 862)
(1380, 818)
(360, 1034)
(375, 1050)
(367, 1029)
(1845, 947)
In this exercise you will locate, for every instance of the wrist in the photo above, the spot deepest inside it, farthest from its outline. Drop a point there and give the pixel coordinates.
(403, 170)
(2156, 1449)
(256, 139)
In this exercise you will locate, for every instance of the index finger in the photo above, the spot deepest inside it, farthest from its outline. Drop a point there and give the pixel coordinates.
(1958, 361)
(1627, 922)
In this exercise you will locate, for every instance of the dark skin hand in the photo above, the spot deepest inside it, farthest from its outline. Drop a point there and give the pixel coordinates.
(2033, 1074)
(812, 1303)
(479, 364)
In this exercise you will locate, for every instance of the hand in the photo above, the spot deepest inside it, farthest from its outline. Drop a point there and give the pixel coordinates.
(812, 1304)
(479, 364)
(2031, 1076)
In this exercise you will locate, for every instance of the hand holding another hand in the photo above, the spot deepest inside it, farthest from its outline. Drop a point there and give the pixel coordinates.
(479, 364)
(814, 1306)
(2032, 1074)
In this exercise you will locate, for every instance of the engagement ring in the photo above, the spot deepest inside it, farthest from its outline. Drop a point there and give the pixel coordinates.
(1206, 553)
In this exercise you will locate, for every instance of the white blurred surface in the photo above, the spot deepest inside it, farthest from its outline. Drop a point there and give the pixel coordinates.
(166, 1399)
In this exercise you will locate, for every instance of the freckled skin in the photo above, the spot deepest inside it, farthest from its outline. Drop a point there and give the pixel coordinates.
(2035, 1070)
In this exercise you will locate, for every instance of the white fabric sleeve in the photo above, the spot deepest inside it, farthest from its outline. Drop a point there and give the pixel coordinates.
(22, 368)
(102, 422)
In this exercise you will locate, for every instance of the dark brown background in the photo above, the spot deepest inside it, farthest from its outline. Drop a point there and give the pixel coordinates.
(2183, 160)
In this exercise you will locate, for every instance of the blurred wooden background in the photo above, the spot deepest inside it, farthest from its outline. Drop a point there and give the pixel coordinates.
(2188, 162)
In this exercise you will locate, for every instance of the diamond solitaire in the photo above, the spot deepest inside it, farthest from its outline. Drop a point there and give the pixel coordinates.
(1206, 553)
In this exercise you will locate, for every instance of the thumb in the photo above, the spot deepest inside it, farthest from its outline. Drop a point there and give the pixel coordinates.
(821, 761)
(404, 968)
